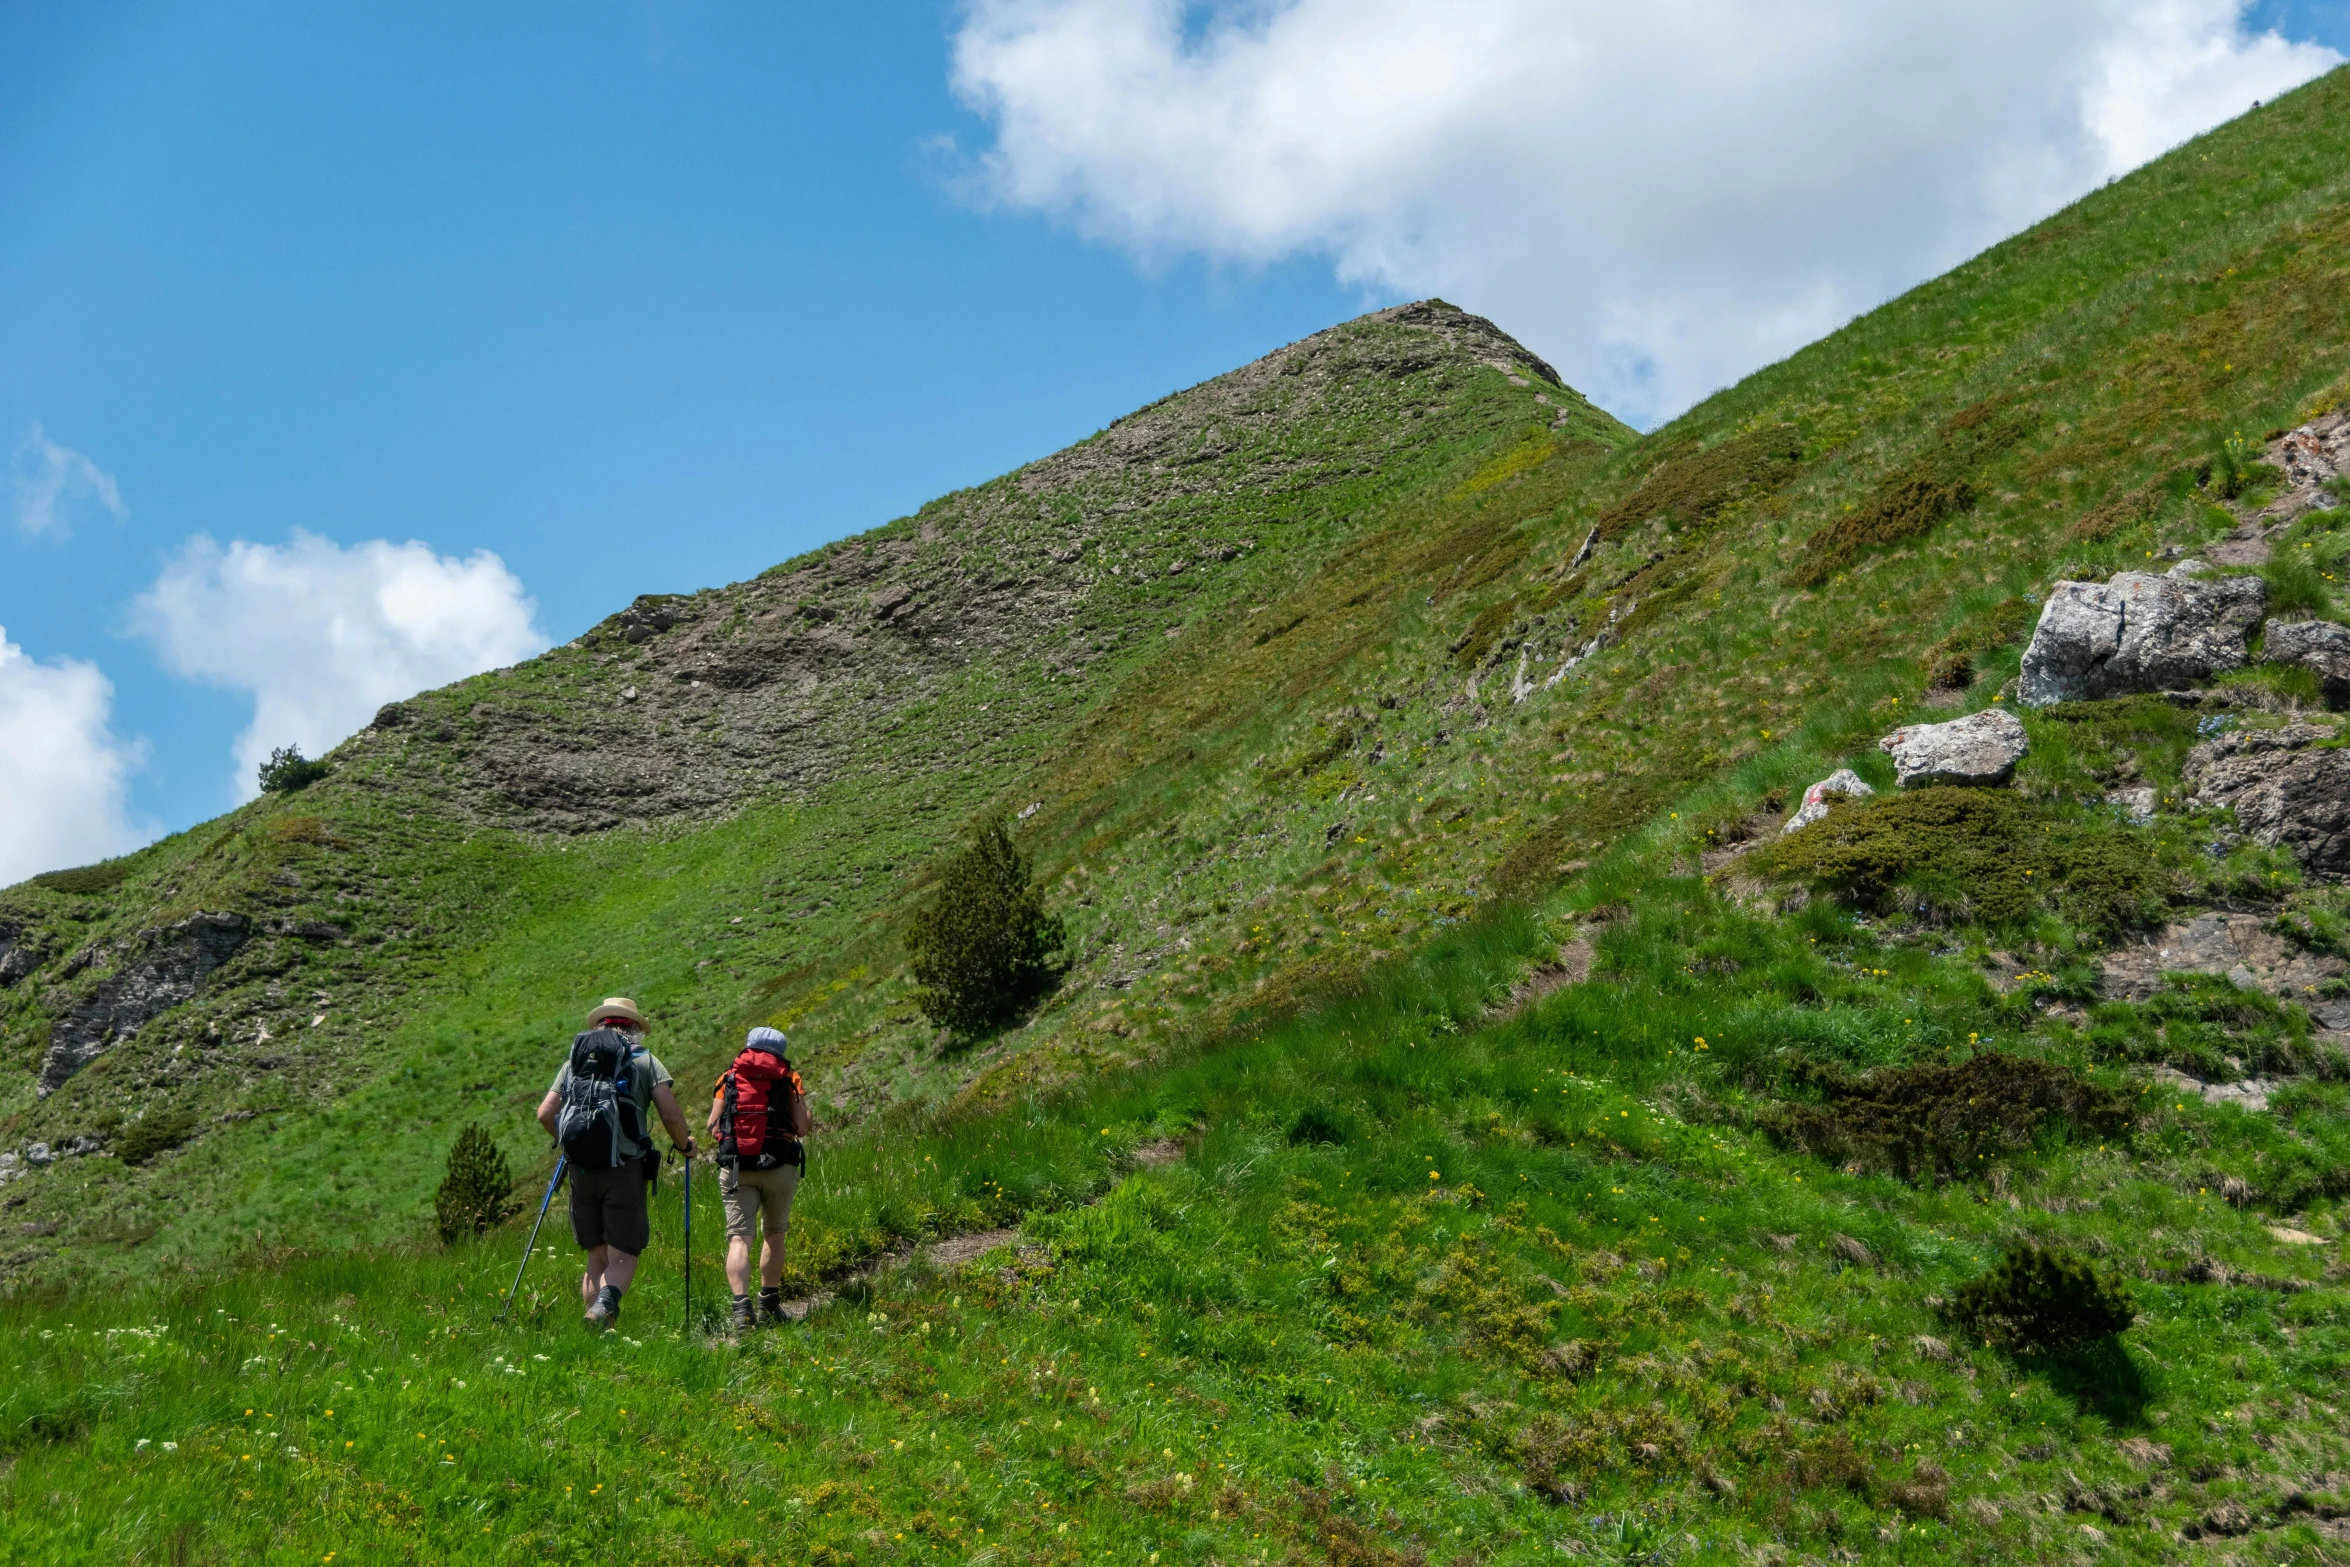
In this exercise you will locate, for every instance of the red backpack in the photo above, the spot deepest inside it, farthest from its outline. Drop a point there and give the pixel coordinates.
(755, 1117)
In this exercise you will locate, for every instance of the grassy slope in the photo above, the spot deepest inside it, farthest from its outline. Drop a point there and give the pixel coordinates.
(471, 927)
(1334, 1324)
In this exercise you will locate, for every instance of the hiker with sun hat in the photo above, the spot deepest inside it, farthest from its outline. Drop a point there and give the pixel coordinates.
(596, 1111)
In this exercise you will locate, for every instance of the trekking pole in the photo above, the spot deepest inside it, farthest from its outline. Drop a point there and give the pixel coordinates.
(544, 1205)
(689, 1243)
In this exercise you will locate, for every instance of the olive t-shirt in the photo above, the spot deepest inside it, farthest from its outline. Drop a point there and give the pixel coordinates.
(645, 1073)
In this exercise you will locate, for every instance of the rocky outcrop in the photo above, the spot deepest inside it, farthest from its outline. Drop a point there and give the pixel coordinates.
(17, 958)
(2241, 947)
(2319, 646)
(2139, 632)
(1842, 784)
(2310, 458)
(2287, 791)
(1980, 750)
(158, 970)
(921, 647)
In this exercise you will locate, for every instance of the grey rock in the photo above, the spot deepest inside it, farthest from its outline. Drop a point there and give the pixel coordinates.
(1980, 749)
(2319, 646)
(17, 959)
(2252, 1093)
(2137, 804)
(163, 968)
(2310, 457)
(2241, 946)
(2139, 632)
(38, 1153)
(2286, 791)
(1842, 784)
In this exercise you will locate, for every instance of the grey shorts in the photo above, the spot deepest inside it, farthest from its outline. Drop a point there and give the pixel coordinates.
(755, 1194)
(608, 1208)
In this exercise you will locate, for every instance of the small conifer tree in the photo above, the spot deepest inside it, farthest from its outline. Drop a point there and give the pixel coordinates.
(477, 1193)
(2044, 1299)
(986, 947)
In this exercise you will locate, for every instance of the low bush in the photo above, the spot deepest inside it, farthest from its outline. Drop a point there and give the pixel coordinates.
(1977, 854)
(288, 770)
(1941, 1119)
(156, 1132)
(2043, 1300)
(85, 880)
(477, 1193)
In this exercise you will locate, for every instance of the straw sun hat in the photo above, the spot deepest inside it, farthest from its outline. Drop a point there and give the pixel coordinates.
(615, 1006)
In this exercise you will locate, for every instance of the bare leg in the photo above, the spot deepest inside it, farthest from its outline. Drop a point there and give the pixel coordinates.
(619, 1270)
(599, 1258)
(770, 1263)
(738, 1265)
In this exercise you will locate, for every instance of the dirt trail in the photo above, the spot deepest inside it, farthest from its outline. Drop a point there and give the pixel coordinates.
(955, 1250)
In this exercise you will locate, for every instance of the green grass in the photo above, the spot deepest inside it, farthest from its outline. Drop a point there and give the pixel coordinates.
(1534, 1281)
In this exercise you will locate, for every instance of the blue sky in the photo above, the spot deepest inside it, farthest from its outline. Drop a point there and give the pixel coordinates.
(644, 297)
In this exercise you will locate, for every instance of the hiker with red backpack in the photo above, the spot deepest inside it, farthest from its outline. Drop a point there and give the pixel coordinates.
(596, 1112)
(759, 1114)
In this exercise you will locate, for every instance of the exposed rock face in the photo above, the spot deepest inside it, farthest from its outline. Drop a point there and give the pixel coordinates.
(160, 969)
(2319, 646)
(2139, 632)
(2311, 457)
(16, 959)
(2285, 792)
(1031, 588)
(1843, 783)
(1980, 749)
(2240, 946)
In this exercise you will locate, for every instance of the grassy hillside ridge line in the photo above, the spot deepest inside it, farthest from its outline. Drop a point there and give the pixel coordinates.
(390, 898)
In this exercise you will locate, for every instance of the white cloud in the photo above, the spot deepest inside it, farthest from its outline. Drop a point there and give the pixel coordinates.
(65, 785)
(323, 636)
(1658, 197)
(54, 484)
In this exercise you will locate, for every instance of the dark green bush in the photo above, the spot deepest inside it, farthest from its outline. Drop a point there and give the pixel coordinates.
(2043, 1300)
(477, 1193)
(85, 880)
(1940, 1119)
(985, 948)
(155, 1132)
(288, 770)
(1976, 854)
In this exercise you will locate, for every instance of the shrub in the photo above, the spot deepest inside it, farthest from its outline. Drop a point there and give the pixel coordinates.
(985, 947)
(477, 1193)
(155, 1132)
(1976, 854)
(1943, 1119)
(85, 880)
(288, 770)
(2045, 1300)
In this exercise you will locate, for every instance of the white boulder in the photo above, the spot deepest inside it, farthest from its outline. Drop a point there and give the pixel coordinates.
(1981, 748)
(2139, 632)
(1842, 784)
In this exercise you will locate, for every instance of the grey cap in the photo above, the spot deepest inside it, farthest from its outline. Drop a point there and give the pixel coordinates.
(767, 1038)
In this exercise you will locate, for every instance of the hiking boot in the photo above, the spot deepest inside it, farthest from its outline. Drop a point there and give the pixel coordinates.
(742, 1314)
(771, 1307)
(606, 1309)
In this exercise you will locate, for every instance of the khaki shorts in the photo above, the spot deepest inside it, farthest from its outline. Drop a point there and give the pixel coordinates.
(749, 1193)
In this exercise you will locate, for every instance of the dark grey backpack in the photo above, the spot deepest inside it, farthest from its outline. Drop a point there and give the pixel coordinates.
(599, 1115)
